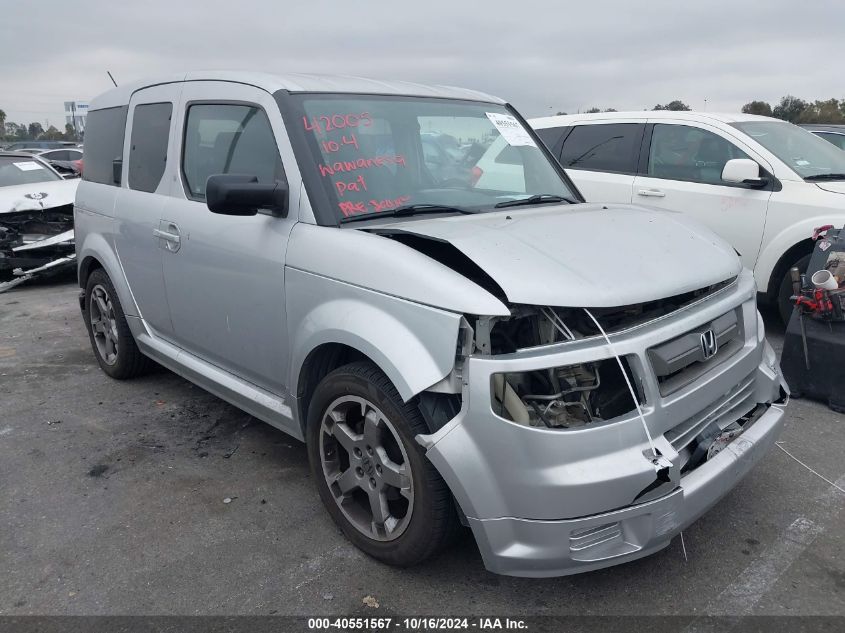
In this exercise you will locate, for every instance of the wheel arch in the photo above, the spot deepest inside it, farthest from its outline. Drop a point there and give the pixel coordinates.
(94, 252)
(87, 266)
(320, 362)
(786, 240)
(790, 256)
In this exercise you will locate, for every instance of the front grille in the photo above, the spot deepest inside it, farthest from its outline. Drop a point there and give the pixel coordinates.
(680, 361)
(732, 406)
(624, 317)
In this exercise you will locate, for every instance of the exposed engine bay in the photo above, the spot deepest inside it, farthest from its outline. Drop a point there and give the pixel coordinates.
(555, 397)
(573, 395)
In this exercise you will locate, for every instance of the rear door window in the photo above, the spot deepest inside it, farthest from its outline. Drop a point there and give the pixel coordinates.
(228, 139)
(603, 147)
(148, 145)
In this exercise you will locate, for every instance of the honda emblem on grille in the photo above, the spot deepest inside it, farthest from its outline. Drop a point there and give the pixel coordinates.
(709, 344)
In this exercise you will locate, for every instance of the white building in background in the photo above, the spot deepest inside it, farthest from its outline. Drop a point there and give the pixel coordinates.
(75, 114)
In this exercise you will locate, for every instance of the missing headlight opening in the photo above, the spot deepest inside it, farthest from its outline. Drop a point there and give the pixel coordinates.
(564, 397)
(557, 397)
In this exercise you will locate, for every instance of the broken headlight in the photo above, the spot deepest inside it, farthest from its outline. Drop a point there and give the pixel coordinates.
(564, 397)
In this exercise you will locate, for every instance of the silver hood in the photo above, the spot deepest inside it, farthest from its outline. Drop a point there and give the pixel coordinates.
(588, 255)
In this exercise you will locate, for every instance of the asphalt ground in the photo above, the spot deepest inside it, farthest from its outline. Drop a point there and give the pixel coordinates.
(112, 502)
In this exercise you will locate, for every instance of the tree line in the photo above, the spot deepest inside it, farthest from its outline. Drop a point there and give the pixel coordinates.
(11, 132)
(789, 108)
(797, 110)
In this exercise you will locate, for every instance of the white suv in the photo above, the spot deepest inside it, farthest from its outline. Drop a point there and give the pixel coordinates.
(761, 183)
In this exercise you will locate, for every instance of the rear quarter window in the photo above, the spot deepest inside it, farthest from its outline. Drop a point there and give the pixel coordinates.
(603, 147)
(148, 145)
(104, 131)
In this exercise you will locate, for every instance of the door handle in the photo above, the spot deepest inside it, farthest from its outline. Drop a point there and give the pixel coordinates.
(651, 193)
(169, 235)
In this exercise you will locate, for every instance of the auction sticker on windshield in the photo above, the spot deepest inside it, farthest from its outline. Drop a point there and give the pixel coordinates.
(28, 165)
(511, 129)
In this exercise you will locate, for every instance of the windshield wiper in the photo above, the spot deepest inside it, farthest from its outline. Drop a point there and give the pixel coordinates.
(540, 198)
(826, 177)
(408, 210)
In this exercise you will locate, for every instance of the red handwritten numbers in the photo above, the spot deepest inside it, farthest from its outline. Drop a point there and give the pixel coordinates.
(322, 124)
(334, 146)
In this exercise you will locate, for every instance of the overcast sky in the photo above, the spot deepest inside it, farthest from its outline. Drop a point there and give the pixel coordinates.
(541, 56)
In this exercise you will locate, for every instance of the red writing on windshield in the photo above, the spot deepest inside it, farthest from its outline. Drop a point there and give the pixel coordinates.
(323, 124)
(392, 203)
(334, 146)
(359, 184)
(354, 208)
(360, 163)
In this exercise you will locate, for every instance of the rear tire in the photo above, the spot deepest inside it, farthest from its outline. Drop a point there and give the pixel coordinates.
(372, 475)
(785, 290)
(111, 339)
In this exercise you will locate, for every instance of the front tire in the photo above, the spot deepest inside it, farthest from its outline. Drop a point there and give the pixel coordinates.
(372, 475)
(111, 339)
(785, 306)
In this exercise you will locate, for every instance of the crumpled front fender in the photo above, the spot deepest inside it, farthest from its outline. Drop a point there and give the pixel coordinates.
(413, 344)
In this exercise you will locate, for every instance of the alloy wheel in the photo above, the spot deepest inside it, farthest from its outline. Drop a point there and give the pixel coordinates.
(103, 324)
(366, 468)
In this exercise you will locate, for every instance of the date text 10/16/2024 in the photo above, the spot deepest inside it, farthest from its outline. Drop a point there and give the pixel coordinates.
(416, 624)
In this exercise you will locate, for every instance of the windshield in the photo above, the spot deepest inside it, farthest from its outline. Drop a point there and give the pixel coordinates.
(17, 170)
(804, 152)
(371, 155)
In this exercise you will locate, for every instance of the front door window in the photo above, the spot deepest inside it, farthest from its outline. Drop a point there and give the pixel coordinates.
(683, 152)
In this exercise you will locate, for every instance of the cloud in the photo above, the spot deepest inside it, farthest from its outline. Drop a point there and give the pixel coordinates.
(541, 56)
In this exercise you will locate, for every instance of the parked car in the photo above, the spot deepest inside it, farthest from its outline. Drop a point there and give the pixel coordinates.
(36, 218)
(66, 161)
(500, 163)
(18, 145)
(66, 154)
(761, 183)
(67, 168)
(576, 382)
(832, 133)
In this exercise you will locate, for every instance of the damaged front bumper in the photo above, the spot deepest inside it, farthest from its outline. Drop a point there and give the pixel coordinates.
(35, 242)
(548, 502)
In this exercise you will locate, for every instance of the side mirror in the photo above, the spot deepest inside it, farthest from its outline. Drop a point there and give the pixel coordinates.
(743, 171)
(240, 194)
